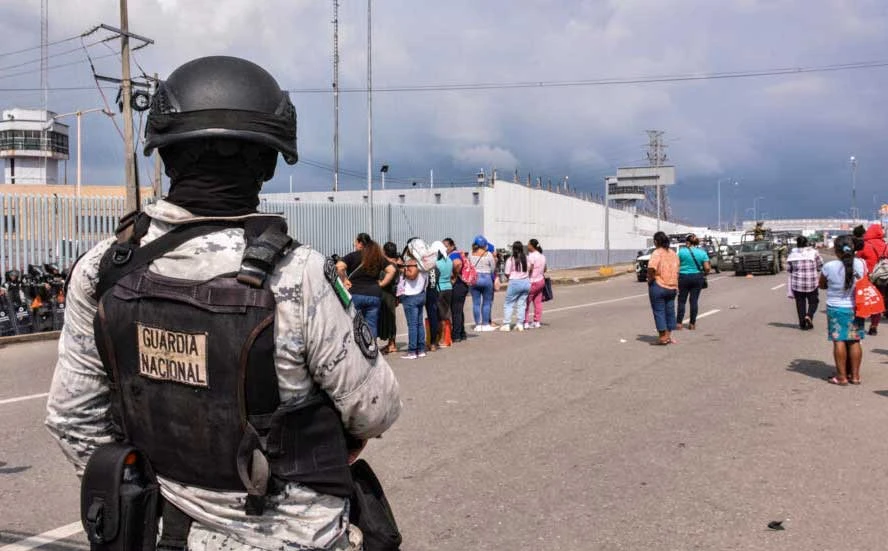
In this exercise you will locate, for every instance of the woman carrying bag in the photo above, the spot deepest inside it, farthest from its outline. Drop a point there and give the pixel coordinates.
(693, 268)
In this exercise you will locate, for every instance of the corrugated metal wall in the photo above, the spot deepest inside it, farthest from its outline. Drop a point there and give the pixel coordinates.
(37, 229)
(332, 227)
(49, 229)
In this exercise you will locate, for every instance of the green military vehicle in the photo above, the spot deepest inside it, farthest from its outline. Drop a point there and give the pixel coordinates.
(759, 252)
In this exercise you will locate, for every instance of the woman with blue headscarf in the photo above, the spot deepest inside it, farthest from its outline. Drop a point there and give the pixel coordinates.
(482, 291)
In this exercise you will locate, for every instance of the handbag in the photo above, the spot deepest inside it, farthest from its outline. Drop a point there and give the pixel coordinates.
(370, 510)
(547, 289)
(694, 258)
(867, 299)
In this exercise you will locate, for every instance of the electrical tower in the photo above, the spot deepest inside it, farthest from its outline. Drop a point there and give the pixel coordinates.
(655, 199)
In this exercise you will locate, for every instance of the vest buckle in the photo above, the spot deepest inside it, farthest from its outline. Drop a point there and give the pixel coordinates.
(121, 255)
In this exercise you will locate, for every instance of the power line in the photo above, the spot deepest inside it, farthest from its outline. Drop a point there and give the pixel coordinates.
(58, 54)
(552, 84)
(78, 62)
(23, 50)
(614, 81)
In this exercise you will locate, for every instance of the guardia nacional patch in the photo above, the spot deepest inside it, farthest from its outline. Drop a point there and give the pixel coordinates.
(338, 287)
(172, 356)
(365, 338)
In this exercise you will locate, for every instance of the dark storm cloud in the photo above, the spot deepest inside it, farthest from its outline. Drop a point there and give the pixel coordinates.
(786, 138)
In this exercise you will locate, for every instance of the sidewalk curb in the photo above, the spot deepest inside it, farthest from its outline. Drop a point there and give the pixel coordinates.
(590, 278)
(30, 337)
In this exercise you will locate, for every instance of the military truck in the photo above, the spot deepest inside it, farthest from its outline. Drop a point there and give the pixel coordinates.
(759, 252)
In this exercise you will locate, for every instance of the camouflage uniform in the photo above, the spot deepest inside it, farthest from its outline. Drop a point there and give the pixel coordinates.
(315, 346)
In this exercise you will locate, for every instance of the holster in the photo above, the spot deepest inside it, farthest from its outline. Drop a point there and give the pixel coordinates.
(307, 444)
(119, 515)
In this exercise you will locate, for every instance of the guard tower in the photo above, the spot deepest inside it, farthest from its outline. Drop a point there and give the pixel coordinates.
(32, 145)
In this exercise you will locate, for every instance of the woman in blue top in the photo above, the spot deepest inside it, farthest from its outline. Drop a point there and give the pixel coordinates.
(844, 329)
(694, 265)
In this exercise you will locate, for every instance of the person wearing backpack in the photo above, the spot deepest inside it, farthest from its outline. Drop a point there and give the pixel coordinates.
(462, 269)
(874, 249)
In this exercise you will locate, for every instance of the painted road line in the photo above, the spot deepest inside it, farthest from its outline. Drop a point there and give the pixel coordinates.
(709, 313)
(22, 399)
(59, 533)
(778, 286)
(588, 304)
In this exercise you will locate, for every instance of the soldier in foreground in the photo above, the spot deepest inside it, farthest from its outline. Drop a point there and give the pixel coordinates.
(225, 352)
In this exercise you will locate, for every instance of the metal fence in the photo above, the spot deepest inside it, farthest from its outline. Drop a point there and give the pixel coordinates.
(37, 229)
(332, 227)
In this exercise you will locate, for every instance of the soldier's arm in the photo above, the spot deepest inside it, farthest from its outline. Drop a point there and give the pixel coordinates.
(361, 383)
(79, 399)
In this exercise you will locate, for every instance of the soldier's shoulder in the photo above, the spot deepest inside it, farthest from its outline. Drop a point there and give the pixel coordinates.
(303, 262)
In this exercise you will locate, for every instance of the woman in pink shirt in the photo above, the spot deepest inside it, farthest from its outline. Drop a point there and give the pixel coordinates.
(537, 263)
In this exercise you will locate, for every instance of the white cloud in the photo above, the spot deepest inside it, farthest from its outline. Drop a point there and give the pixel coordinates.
(486, 156)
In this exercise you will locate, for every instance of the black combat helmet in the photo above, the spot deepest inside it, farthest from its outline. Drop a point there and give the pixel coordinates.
(222, 97)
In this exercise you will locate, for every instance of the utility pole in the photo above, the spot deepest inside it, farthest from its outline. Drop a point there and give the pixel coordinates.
(607, 246)
(158, 164)
(854, 188)
(335, 95)
(133, 201)
(44, 82)
(369, 118)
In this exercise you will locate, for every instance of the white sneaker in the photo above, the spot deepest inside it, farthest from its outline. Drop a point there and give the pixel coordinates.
(479, 328)
(519, 327)
(421, 355)
(505, 328)
(410, 356)
(487, 328)
(536, 325)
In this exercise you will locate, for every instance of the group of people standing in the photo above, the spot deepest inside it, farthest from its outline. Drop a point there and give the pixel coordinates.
(432, 282)
(675, 274)
(525, 272)
(856, 257)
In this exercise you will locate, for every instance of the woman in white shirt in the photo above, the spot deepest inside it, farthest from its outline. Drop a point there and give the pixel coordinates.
(844, 329)
(519, 287)
(413, 299)
(482, 290)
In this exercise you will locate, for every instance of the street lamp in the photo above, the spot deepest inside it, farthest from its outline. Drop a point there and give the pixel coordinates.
(854, 188)
(79, 114)
(755, 208)
(383, 170)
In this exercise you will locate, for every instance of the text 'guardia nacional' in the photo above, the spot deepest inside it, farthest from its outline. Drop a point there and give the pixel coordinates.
(172, 356)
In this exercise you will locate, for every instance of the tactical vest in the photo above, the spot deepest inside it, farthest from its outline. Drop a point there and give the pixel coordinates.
(192, 372)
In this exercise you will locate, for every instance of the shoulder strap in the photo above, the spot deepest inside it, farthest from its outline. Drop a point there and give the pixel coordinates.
(267, 243)
(694, 258)
(124, 258)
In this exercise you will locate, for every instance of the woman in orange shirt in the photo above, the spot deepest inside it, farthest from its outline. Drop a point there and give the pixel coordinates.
(662, 280)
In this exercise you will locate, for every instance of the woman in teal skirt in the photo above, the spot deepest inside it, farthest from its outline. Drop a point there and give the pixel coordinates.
(844, 329)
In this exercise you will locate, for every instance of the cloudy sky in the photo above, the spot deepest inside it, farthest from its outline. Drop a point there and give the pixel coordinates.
(785, 138)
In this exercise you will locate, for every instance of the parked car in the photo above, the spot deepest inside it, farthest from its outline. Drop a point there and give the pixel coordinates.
(641, 261)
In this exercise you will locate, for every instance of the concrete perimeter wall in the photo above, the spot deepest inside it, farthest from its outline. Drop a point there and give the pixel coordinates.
(570, 230)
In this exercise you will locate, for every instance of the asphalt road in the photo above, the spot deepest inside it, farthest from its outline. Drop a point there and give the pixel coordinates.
(582, 436)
